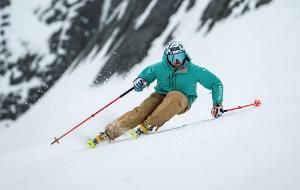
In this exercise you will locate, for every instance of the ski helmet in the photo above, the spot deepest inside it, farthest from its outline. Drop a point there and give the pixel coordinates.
(175, 52)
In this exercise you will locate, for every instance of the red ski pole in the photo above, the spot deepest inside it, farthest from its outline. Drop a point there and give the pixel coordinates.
(56, 140)
(256, 103)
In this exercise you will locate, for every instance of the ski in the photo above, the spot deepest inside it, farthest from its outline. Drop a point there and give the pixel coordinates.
(133, 134)
(137, 133)
(91, 143)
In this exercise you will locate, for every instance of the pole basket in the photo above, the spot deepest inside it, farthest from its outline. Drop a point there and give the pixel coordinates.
(257, 103)
(55, 141)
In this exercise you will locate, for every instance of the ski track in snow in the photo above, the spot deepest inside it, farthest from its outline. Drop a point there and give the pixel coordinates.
(256, 56)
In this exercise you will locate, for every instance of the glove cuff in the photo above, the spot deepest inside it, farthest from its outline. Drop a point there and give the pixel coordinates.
(217, 105)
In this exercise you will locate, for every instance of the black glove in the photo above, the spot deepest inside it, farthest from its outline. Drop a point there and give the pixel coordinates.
(217, 110)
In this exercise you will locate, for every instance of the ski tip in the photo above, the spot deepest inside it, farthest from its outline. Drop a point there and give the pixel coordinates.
(91, 144)
(133, 134)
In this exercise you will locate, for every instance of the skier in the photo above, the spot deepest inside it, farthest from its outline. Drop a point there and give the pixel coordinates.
(174, 94)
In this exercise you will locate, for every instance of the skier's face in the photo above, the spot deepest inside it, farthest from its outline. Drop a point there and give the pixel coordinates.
(177, 64)
(177, 59)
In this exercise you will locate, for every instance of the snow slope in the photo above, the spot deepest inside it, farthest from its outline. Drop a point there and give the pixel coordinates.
(256, 56)
(248, 150)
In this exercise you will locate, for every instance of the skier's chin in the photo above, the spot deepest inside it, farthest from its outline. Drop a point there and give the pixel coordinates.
(177, 64)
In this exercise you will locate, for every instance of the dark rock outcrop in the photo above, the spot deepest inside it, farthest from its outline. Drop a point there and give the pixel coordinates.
(218, 10)
(125, 56)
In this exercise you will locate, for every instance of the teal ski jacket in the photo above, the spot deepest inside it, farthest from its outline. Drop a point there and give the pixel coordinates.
(183, 79)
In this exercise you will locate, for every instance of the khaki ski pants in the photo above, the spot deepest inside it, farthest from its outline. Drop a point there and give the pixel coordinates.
(157, 109)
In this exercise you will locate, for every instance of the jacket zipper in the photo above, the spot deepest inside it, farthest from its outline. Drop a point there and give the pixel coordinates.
(172, 80)
(173, 83)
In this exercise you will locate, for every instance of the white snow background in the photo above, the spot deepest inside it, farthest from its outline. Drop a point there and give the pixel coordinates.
(256, 56)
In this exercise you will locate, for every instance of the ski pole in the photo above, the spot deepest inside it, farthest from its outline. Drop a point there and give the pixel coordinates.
(256, 103)
(56, 140)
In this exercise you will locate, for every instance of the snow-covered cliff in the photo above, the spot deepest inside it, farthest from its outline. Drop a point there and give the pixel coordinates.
(40, 40)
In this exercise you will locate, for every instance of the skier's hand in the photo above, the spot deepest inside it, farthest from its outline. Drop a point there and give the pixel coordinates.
(139, 84)
(217, 110)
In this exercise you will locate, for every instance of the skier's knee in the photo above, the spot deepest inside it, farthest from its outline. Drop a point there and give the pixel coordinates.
(176, 95)
(179, 97)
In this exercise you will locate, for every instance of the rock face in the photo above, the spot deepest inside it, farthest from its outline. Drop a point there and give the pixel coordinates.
(85, 25)
(218, 10)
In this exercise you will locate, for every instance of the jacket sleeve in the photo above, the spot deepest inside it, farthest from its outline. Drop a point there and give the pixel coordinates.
(148, 74)
(211, 82)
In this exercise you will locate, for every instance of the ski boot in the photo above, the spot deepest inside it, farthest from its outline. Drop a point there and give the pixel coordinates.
(143, 128)
(99, 138)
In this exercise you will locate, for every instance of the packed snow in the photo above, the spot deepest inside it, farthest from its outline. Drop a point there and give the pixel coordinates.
(256, 56)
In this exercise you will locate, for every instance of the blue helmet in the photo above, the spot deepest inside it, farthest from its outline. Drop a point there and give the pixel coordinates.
(175, 51)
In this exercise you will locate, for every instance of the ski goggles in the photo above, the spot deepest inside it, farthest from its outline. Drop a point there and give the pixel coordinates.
(178, 56)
